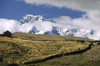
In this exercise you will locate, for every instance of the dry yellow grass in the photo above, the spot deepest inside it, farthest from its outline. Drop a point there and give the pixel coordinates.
(94, 52)
(33, 50)
(47, 37)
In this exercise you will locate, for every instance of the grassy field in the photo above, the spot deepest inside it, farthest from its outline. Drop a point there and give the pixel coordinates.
(89, 58)
(29, 36)
(23, 49)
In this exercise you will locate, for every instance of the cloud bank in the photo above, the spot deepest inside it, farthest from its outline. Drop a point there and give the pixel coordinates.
(61, 22)
(11, 25)
(91, 7)
(83, 5)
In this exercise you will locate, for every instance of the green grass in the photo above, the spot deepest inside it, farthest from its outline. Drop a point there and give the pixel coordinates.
(3, 64)
(72, 60)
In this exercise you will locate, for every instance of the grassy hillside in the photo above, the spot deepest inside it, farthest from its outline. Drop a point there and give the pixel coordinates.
(22, 48)
(47, 37)
(26, 50)
(89, 58)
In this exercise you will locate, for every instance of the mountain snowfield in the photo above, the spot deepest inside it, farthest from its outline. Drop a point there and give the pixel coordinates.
(39, 25)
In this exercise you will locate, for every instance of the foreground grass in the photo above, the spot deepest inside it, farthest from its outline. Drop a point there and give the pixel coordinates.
(19, 51)
(89, 58)
(3, 64)
(30, 47)
(72, 60)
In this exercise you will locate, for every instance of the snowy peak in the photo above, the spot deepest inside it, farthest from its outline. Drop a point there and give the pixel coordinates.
(31, 19)
(66, 31)
(78, 32)
(32, 26)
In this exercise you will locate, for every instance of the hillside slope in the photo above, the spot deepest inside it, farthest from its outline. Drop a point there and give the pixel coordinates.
(22, 48)
(47, 37)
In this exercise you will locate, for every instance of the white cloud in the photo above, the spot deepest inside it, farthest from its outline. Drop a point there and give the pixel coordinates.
(10, 25)
(25, 27)
(44, 25)
(61, 22)
(91, 7)
(83, 22)
(83, 5)
(14, 26)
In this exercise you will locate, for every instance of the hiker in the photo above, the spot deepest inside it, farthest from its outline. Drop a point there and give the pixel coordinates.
(78, 48)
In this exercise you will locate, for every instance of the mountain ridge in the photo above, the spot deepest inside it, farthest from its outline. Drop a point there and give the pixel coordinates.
(77, 32)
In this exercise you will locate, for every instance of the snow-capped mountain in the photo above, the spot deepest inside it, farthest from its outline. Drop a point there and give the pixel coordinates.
(67, 32)
(31, 18)
(56, 30)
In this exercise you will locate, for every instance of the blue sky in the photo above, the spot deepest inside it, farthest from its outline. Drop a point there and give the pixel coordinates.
(12, 9)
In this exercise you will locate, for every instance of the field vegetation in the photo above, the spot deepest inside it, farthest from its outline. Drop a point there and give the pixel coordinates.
(30, 47)
(37, 37)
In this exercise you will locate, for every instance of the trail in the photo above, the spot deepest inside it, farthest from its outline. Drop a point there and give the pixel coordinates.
(60, 55)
